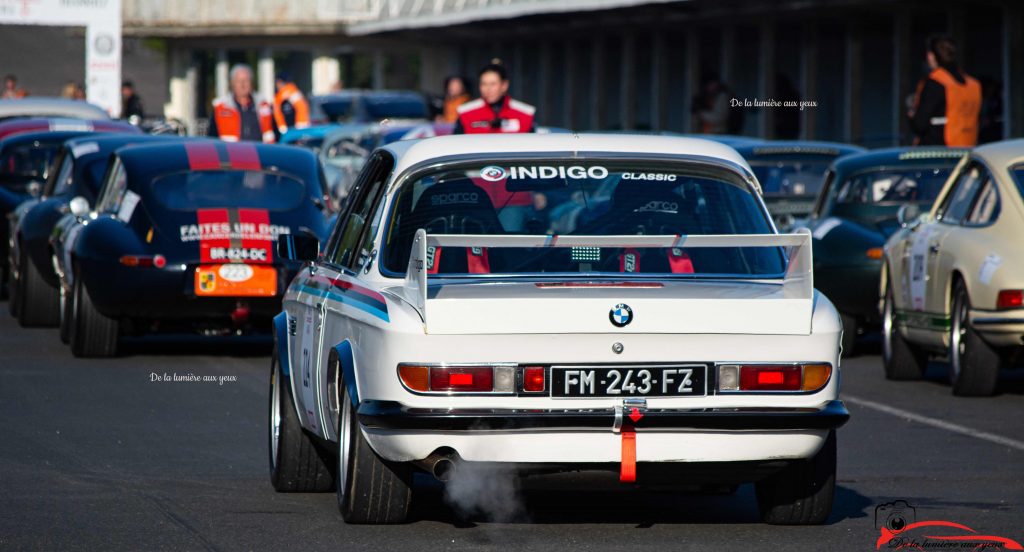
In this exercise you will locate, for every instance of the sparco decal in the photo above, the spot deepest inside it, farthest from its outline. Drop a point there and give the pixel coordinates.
(455, 198)
(574, 172)
(659, 177)
(655, 206)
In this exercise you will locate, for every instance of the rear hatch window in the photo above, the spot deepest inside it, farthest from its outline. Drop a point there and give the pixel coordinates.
(188, 191)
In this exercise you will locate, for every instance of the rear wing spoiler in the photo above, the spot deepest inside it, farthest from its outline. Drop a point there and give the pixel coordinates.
(797, 283)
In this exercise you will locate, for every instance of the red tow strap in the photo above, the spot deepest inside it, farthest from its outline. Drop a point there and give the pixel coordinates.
(627, 471)
(627, 474)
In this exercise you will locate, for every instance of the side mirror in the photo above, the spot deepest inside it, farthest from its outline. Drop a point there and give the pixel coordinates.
(79, 206)
(298, 247)
(907, 214)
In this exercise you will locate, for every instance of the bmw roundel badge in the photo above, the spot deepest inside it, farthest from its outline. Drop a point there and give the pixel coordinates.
(620, 315)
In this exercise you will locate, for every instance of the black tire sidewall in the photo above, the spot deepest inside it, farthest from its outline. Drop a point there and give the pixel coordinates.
(980, 363)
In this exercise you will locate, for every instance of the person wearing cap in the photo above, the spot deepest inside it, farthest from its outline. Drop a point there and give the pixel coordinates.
(494, 111)
(291, 110)
(947, 104)
(242, 114)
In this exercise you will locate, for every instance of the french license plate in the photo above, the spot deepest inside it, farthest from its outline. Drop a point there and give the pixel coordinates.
(689, 380)
(235, 280)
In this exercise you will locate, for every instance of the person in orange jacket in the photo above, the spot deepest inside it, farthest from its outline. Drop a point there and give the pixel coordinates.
(948, 101)
(291, 110)
(456, 93)
(11, 90)
(242, 114)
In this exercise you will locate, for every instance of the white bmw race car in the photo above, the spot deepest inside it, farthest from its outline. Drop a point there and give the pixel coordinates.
(620, 304)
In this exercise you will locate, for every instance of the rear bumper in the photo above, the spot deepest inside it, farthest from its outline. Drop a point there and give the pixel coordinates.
(393, 416)
(166, 294)
(1000, 328)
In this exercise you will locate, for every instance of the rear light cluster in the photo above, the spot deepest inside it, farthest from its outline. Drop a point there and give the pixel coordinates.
(1010, 299)
(144, 261)
(497, 379)
(773, 377)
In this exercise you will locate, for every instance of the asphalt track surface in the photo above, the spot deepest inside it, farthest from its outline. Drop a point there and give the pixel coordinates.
(96, 456)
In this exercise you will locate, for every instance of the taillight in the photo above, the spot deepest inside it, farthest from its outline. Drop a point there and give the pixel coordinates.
(773, 377)
(534, 379)
(478, 379)
(416, 378)
(144, 261)
(1010, 299)
(498, 378)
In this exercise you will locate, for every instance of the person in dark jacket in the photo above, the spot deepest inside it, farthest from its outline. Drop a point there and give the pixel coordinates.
(948, 101)
(131, 105)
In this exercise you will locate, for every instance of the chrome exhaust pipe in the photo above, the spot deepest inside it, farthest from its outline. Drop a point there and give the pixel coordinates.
(441, 465)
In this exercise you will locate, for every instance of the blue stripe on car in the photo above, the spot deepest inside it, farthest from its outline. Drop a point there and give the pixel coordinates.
(351, 299)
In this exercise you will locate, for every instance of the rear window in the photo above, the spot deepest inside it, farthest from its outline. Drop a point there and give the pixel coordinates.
(28, 161)
(395, 107)
(790, 177)
(187, 191)
(893, 185)
(582, 199)
(337, 110)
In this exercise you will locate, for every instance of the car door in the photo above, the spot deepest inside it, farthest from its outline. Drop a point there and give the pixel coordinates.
(927, 284)
(319, 300)
(966, 247)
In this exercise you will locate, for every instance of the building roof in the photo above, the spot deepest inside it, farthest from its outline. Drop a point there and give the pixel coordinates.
(395, 16)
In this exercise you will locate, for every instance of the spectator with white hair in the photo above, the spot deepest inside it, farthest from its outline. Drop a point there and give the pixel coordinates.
(242, 114)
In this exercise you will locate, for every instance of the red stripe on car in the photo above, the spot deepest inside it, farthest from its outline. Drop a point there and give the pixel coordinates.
(202, 156)
(214, 230)
(244, 157)
(260, 237)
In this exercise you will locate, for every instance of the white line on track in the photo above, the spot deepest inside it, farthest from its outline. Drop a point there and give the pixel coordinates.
(948, 426)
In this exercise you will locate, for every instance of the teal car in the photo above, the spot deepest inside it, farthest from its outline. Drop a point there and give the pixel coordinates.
(856, 211)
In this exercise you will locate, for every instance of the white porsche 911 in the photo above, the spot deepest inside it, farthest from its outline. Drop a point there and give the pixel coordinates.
(620, 304)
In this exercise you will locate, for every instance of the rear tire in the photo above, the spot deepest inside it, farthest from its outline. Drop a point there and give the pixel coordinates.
(849, 334)
(92, 334)
(973, 364)
(297, 463)
(802, 493)
(902, 360)
(38, 303)
(371, 490)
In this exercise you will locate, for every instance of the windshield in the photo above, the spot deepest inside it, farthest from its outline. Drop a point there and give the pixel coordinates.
(338, 109)
(187, 191)
(27, 161)
(582, 198)
(893, 185)
(790, 177)
(61, 178)
(395, 107)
